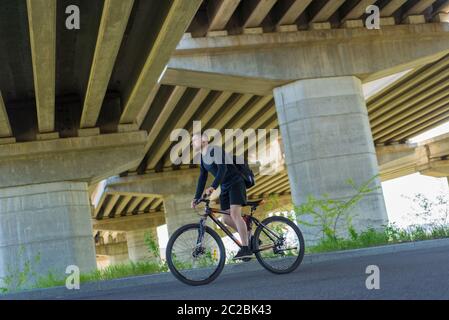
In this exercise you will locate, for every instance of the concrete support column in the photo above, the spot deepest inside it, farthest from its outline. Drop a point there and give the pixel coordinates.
(51, 221)
(118, 259)
(137, 248)
(328, 140)
(178, 212)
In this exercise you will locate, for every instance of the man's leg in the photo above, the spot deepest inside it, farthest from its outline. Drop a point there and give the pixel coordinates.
(236, 215)
(229, 222)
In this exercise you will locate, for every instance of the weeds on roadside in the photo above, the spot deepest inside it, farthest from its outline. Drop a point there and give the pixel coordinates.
(371, 237)
(19, 277)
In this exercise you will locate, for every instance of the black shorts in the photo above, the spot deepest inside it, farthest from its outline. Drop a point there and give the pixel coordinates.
(234, 195)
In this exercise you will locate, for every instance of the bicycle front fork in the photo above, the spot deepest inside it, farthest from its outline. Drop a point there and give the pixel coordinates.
(201, 232)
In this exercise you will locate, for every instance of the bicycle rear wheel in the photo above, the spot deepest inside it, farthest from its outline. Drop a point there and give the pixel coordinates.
(192, 264)
(279, 245)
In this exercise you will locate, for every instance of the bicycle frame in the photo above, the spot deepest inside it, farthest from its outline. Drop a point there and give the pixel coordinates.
(209, 213)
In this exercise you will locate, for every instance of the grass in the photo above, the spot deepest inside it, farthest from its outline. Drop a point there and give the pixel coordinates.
(119, 271)
(372, 238)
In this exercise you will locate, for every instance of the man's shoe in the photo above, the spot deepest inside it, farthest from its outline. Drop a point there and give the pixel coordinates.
(243, 254)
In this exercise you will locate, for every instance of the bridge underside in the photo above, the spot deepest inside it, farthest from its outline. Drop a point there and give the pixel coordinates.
(80, 106)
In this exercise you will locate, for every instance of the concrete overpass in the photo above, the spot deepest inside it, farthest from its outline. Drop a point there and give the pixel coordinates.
(70, 114)
(79, 106)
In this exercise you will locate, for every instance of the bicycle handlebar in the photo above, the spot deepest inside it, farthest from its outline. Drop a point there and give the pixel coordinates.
(203, 199)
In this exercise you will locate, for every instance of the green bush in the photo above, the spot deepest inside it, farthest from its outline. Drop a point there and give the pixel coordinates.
(328, 214)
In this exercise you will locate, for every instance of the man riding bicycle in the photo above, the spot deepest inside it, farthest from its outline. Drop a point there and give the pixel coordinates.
(216, 161)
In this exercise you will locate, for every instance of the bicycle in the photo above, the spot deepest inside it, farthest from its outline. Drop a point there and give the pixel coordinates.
(196, 254)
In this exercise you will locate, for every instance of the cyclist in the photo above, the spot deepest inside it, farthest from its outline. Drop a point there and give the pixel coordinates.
(216, 161)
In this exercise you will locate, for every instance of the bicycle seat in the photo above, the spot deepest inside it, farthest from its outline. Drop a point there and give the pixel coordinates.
(254, 203)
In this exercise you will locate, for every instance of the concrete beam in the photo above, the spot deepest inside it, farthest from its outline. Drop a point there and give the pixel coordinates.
(166, 112)
(112, 249)
(386, 154)
(405, 83)
(133, 205)
(113, 23)
(290, 11)
(435, 168)
(413, 117)
(111, 205)
(153, 184)
(419, 7)
(358, 10)
(215, 107)
(122, 205)
(327, 10)
(398, 168)
(183, 122)
(392, 7)
(403, 159)
(42, 26)
(180, 15)
(144, 204)
(286, 56)
(255, 11)
(251, 117)
(437, 147)
(156, 203)
(400, 104)
(5, 126)
(442, 8)
(220, 12)
(220, 82)
(87, 159)
(231, 110)
(144, 111)
(130, 223)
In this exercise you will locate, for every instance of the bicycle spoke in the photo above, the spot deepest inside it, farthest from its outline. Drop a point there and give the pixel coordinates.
(279, 253)
(192, 262)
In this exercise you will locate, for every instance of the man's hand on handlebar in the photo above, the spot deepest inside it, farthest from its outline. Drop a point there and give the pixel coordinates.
(194, 203)
(208, 192)
(206, 195)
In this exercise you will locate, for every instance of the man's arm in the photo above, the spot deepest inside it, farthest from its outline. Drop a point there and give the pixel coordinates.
(202, 179)
(222, 168)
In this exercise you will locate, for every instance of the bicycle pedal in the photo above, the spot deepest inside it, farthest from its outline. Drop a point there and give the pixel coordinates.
(247, 259)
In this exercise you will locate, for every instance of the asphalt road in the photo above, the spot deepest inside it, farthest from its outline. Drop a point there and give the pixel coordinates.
(419, 274)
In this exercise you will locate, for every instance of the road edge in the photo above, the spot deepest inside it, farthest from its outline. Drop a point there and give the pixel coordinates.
(62, 292)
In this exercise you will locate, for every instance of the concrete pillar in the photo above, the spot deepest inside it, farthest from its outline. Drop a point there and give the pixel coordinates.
(51, 221)
(137, 248)
(178, 212)
(327, 139)
(118, 259)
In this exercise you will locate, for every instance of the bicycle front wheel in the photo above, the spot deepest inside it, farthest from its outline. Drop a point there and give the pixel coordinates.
(192, 263)
(279, 245)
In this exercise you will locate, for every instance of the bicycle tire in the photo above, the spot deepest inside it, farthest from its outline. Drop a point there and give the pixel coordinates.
(298, 232)
(177, 274)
